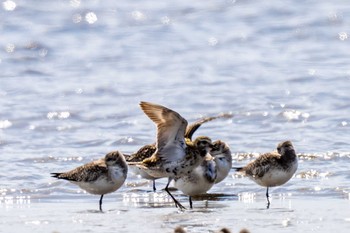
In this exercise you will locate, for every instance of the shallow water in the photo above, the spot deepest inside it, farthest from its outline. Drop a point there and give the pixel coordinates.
(73, 73)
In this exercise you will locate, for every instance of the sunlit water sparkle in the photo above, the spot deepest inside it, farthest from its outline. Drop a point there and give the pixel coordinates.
(73, 73)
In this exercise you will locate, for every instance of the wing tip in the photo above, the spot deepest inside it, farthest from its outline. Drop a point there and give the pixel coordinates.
(226, 115)
(145, 104)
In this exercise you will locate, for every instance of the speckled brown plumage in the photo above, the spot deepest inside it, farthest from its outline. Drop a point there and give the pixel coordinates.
(99, 177)
(147, 150)
(142, 154)
(85, 173)
(175, 155)
(274, 168)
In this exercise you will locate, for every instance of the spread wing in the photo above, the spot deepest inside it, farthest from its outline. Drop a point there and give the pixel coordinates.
(171, 128)
(191, 129)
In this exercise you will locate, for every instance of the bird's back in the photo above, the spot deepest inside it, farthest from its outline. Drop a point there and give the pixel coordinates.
(85, 173)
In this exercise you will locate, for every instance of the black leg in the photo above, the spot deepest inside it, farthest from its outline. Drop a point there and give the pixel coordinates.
(267, 197)
(154, 186)
(177, 204)
(101, 202)
(190, 199)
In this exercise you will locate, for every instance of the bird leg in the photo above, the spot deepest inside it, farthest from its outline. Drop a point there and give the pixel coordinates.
(190, 199)
(267, 197)
(154, 186)
(101, 202)
(177, 203)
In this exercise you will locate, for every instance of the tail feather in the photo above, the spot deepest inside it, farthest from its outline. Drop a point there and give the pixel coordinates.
(238, 169)
(56, 174)
(63, 176)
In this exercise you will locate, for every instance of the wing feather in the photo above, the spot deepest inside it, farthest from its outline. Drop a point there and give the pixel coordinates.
(191, 129)
(261, 165)
(171, 128)
(86, 173)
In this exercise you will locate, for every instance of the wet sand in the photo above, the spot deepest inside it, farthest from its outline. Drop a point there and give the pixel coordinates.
(123, 213)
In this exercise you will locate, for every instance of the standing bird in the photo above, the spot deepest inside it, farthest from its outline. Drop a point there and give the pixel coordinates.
(274, 168)
(180, 229)
(213, 169)
(175, 156)
(223, 159)
(148, 150)
(99, 177)
(140, 155)
(199, 180)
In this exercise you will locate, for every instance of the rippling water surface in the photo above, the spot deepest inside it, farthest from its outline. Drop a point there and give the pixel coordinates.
(73, 73)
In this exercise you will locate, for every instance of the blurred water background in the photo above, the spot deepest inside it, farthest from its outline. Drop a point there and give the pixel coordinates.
(72, 73)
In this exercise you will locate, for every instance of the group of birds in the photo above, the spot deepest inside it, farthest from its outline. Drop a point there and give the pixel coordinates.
(194, 165)
(180, 229)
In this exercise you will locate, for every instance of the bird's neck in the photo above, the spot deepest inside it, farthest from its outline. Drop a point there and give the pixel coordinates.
(289, 156)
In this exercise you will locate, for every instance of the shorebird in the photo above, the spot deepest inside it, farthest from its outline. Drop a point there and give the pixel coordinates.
(272, 169)
(180, 229)
(220, 151)
(148, 150)
(199, 180)
(175, 156)
(223, 159)
(140, 155)
(213, 169)
(99, 177)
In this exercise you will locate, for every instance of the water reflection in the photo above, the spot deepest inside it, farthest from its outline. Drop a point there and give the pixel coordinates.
(91, 17)
(239, 58)
(9, 5)
(5, 124)
(19, 201)
(143, 198)
(10, 48)
(343, 36)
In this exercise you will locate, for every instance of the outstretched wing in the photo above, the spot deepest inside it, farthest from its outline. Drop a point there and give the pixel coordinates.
(171, 128)
(191, 129)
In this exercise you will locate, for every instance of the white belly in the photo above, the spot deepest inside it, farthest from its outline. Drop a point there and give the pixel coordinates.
(192, 189)
(100, 186)
(223, 169)
(194, 184)
(142, 173)
(103, 185)
(276, 177)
